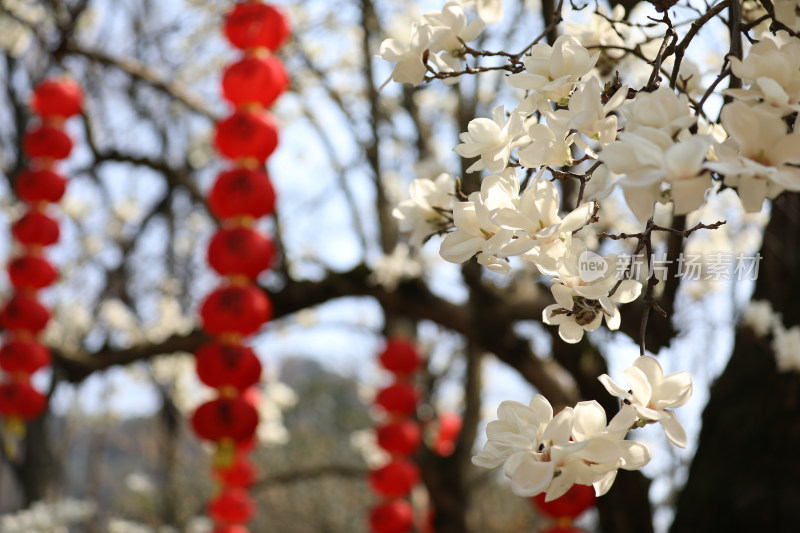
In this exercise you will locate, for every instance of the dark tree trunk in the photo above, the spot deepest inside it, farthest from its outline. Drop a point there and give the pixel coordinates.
(745, 474)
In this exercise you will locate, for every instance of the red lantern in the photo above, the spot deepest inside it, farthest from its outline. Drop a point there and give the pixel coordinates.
(234, 506)
(21, 400)
(395, 479)
(225, 418)
(242, 193)
(235, 309)
(245, 135)
(42, 185)
(396, 516)
(400, 438)
(256, 25)
(400, 357)
(241, 473)
(30, 271)
(23, 356)
(449, 426)
(36, 228)
(57, 98)
(47, 142)
(240, 251)
(254, 80)
(227, 365)
(400, 398)
(577, 499)
(22, 313)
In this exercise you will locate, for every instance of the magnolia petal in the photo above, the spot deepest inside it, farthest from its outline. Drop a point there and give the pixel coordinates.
(577, 218)
(614, 320)
(752, 192)
(627, 291)
(651, 368)
(603, 485)
(673, 429)
(563, 296)
(459, 246)
(641, 200)
(542, 408)
(589, 419)
(612, 387)
(592, 292)
(531, 478)
(634, 455)
(560, 484)
(559, 429)
(623, 420)
(570, 332)
(689, 194)
(640, 385)
(675, 390)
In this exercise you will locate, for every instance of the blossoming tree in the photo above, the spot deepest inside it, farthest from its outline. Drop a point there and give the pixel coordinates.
(600, 197)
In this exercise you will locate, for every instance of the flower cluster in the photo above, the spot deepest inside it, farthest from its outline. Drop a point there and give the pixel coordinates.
(438, 36)
(545, 453)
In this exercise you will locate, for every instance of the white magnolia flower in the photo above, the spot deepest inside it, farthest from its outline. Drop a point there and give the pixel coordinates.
(409, 67)
(492, 140)
(554, 71)
(786, 346)
(587, 114)
(450, 27)
(653, 396)
(545, 453)
(760, 159)
(426, 211)
(651, 162)
(475, 232)
(546, 147)
(772, 74)
(599, 31)
(583, 298)
(490, 11)
(661, 109)
(542, 236)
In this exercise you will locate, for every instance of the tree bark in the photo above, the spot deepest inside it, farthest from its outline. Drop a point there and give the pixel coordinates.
(744, 474)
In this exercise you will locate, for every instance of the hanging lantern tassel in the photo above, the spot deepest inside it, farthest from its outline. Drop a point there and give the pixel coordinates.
(239, 253)
(23, 317)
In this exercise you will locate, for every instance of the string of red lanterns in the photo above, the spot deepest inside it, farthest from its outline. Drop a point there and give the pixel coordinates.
(23, 317)
(239, 253)
(400, 436)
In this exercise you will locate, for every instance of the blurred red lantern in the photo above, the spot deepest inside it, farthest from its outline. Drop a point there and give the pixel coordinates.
(401, 437)
(23, 356)
(395, 479)
(562, 529)
(400, 356)
(21, 400)
(577, 499)
(31, 271)
(234, 506)
(447, 431)
(46, 141)
(240, 251)
(235, 309)
(246, 135)
(225, 418)
(42, 185)
(241, 473)
(22, 313)
(227, 365)
(256, 25)
(36, 228)
(396, 516)
(57, 98)
(254, 80)
(400, 398)
(242, 193)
